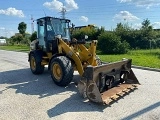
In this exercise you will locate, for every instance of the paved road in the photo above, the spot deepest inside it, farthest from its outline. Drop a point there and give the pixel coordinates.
(24, 96)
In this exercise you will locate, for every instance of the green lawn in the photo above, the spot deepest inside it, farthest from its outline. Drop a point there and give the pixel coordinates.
(146, 58)
(19, 48)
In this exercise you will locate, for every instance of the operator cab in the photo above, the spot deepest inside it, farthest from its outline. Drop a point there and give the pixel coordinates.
(49, 29)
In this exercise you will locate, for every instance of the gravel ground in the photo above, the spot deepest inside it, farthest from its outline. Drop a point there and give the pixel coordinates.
(24, 96)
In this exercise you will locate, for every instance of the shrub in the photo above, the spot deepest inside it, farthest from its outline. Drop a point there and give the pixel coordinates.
(110, 43)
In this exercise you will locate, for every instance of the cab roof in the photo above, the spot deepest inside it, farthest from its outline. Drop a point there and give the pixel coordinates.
(48, 17)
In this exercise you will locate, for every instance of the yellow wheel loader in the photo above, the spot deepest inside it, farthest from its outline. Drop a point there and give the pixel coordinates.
(99, 82)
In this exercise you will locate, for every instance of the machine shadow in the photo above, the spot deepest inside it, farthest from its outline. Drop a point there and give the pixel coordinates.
(75, 103)
(23, 81)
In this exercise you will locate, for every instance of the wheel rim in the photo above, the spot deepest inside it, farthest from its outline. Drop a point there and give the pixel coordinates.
(57, 71)
(33, 63)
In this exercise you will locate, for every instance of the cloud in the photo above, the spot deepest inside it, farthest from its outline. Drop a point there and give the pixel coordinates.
(7, 32)
(84, 19)
(57, 5)
(12, 12)
(156, 25)
(11, 33)
(2, 28)
(142, 3)
(125, 15)
(54, 5)
(137, 26)
(71, 4)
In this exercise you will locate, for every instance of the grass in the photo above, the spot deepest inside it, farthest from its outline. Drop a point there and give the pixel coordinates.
(19, 48)
(146, 58)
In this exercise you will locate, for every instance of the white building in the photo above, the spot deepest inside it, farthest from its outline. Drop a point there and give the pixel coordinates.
(2, 41)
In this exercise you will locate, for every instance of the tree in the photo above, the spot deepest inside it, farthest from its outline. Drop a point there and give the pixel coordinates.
(22, 28)
(33, 36)
(127, 34)
(2, 37)
(17, 38)
(120, 28)
(11, 40)
(147, 34)
(146, 24)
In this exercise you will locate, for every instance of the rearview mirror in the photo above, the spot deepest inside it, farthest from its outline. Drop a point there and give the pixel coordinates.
(41, 23)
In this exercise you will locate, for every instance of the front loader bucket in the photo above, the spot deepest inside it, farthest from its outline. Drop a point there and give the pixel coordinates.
(105, 83)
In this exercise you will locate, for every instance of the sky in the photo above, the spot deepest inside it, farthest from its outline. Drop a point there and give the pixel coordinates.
(106, 13)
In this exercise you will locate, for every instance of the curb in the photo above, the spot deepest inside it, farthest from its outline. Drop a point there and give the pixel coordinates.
(143, 68)
(146, 68)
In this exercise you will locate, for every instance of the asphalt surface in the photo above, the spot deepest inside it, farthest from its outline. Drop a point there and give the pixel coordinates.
(24, 96)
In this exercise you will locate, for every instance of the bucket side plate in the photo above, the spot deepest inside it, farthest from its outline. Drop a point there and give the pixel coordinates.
(92, 83)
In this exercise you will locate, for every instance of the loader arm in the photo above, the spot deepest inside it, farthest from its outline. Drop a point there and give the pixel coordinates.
(64, 47)
(80, 54)
(88, 54)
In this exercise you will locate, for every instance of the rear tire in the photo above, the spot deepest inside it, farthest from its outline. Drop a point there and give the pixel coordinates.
(35, 66)
(61, 70)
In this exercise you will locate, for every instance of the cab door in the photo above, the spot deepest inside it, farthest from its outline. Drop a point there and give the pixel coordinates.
(41, 33)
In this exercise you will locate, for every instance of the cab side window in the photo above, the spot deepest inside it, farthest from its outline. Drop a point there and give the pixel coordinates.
(41, 33)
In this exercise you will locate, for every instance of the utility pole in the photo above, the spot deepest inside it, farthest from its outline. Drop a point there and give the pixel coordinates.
(32, 24)
(63, 12)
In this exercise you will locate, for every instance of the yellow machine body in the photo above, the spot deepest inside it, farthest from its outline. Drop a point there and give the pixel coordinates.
(100, 83)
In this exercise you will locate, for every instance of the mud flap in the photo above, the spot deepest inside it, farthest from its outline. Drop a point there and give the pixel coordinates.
(105, 83)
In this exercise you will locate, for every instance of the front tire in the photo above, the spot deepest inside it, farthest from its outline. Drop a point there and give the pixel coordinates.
(61, 70)
(35, 66)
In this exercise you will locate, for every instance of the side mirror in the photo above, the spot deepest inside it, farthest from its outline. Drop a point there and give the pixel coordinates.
(41, 23)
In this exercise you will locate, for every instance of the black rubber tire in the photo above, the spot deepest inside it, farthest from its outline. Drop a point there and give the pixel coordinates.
(37, 68)
(66, 70)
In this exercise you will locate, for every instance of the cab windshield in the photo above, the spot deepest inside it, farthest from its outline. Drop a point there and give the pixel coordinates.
(60, 27)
